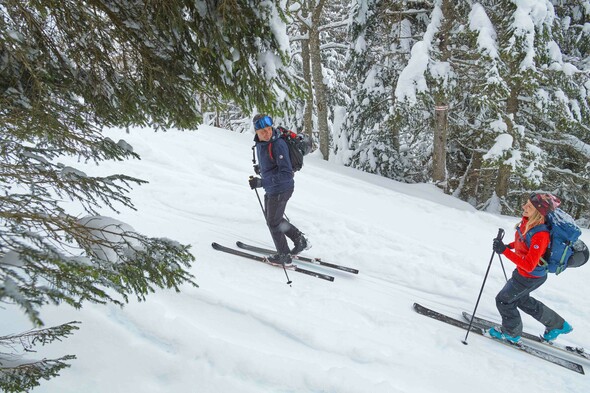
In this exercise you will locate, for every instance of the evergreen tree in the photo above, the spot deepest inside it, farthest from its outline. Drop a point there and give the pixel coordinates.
(317, 33)
(477, 115)
(378, 128)
(70, 68)
(514, 77)
(18, 373)
(569, 148)
(546, 108)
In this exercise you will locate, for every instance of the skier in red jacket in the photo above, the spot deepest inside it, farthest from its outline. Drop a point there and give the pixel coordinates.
(530, 273)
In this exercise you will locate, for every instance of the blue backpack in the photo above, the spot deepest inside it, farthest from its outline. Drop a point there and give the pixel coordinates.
(564, 243)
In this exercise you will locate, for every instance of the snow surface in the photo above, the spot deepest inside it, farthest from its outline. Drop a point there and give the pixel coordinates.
(245, 330)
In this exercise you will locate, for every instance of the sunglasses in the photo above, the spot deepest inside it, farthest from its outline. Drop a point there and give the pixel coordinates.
(263, 122)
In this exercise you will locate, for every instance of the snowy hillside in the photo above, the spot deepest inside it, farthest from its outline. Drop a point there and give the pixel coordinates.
(246, 331)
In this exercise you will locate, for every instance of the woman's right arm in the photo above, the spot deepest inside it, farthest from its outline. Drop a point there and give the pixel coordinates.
(528, 262)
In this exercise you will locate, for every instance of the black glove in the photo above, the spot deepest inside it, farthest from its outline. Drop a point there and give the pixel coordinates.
(255, 182)
(498, 246)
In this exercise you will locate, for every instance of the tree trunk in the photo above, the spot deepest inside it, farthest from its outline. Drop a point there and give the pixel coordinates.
(439, 157)
(468, 189)
(502, 183)
(318, 79)
(305, 57)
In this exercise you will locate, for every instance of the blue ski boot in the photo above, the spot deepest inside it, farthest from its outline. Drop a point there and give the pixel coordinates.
(551, 335)
(497, 332)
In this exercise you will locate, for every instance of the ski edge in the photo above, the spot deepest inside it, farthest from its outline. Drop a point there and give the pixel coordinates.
(565, 363)
(576, 351)
(259, 258)
(316, 261)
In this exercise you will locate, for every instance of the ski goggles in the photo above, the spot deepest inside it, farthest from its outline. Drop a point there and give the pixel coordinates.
(263, 122)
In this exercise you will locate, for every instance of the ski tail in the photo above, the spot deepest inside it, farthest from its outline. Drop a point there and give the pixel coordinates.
(262, 259)
(483, 332)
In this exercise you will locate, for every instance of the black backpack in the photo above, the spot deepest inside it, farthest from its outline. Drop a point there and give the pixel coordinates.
(299, 146)
(580, 255)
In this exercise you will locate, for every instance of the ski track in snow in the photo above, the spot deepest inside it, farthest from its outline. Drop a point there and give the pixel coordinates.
(245, 330)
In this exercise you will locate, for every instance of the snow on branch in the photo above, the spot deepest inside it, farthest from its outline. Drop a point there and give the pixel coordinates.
(412, 79)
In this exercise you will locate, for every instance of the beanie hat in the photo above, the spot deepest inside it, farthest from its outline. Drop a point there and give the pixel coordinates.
(544, 203)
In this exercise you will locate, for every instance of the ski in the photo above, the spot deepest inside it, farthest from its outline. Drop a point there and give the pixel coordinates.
(483, 332)
(316, 261)
(578, 351)
(259, 258)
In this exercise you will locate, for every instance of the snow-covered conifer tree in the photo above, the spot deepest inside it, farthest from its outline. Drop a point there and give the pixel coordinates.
(68, 69)
(546, 105)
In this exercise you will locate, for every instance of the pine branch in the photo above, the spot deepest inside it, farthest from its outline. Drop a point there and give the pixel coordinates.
(17, 373)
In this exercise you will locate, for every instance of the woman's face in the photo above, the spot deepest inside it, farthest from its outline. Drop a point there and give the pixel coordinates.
(528, 209)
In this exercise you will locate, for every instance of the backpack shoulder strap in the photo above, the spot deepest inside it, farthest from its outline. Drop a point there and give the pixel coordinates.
(538, 228)
(534, 230)
(270, 147)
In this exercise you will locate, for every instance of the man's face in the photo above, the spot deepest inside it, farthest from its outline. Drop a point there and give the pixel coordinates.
(264, 134)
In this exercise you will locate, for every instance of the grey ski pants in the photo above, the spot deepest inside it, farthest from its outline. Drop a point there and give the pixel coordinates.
(515, 295)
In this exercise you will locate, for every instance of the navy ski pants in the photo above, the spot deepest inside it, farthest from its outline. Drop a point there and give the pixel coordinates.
(280, 229)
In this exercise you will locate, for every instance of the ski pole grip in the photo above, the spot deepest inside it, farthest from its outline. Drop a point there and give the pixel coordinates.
(500, 235)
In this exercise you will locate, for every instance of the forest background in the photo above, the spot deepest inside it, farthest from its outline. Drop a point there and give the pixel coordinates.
(487, 100)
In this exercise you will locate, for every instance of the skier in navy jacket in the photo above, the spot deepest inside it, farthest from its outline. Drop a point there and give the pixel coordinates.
(276, 177)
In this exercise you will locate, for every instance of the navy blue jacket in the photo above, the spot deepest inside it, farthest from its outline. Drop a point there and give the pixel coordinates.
(276, 172)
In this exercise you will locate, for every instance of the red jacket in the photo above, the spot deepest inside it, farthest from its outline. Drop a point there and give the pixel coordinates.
(525, 258)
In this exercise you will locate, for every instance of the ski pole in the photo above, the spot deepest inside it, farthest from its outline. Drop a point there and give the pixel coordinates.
(502, 264)
(289, 282)
(259, 202)
(264, 214)
(500, 236)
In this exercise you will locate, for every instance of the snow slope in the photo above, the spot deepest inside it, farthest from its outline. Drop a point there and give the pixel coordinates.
(246, 330)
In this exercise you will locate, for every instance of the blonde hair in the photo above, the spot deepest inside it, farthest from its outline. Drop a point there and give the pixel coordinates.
(535, 219)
